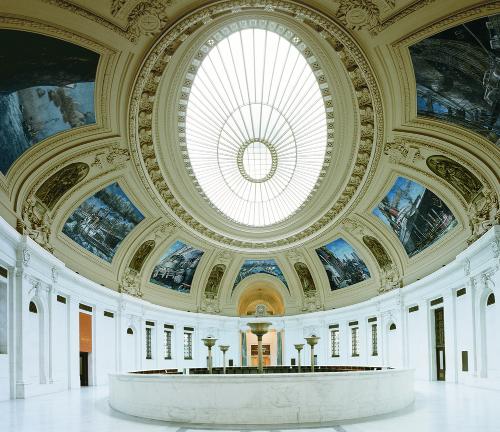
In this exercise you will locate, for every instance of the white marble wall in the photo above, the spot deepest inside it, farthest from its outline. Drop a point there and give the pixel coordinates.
(35, 275)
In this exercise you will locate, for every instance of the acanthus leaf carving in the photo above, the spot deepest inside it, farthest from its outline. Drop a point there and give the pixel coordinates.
(36, 222)
(54, 274)
(130, 283)
(396, 150)
(484, 212)
(358, 14)
(26, 256)
(114, 156)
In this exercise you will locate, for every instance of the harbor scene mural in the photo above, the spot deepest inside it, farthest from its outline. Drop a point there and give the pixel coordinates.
(102, 222)
(176, 267)
(342, 264)
(415, 214)
(457, 73)
(251, 267)
(45, 88)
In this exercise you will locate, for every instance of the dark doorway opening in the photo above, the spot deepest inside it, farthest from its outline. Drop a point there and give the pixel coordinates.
(84, 369)
(440, 344)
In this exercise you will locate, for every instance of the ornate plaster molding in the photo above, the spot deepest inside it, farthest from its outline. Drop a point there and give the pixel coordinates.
(150, 75)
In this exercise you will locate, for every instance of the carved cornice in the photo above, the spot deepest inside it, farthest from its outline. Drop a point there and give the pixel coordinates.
(398, 16)
(145, 18)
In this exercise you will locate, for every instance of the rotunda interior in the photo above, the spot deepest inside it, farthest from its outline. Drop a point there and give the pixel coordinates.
(173, 170)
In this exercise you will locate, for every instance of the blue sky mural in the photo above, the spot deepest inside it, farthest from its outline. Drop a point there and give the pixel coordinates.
(415, 214)
(101, 222)
(45, 88)
(251, 267)
(342, 264)
(456, 76)
(176, 267)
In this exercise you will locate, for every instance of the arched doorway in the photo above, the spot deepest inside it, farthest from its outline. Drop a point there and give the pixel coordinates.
(260, 293)
(257, 295)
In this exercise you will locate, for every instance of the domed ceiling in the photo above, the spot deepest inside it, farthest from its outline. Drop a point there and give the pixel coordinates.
(195, 153)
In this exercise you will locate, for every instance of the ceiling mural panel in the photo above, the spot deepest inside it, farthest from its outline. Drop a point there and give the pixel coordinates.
(102, 222)
(45, 88)
(417, 216)
(176, 267)
(254, 266)
(163, 77)
(342, 264)
(457, 76)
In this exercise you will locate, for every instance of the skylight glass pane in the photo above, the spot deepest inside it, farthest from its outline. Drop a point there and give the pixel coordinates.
(256, 126)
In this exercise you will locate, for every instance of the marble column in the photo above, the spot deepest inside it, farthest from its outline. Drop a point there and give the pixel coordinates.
(244, 348)
(73, 341)
(450, 339)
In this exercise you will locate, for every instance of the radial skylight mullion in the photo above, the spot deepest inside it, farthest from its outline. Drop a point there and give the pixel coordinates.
(308, 102)
(234, 108)
(286, 85)
(247, 79)
(257, 112)
(220, 83)
(301, 90)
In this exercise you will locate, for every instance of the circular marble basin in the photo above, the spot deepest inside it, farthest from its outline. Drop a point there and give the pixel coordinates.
(262, 399)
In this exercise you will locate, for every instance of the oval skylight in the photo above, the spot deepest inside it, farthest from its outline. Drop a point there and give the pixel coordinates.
(256, 125)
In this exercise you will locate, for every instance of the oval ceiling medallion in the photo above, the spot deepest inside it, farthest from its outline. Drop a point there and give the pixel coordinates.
(256, 125)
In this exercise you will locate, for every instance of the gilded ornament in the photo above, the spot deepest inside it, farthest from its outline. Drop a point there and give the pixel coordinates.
(455, 174)
(141, 255)
(214, 280)
(484, 212)
(305, 277)
(53, 189)
(378, 251)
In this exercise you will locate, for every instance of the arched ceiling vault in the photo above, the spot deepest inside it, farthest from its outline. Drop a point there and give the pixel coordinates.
(129, 143)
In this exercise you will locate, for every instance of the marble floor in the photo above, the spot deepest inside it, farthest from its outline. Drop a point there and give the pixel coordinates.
(439, 407)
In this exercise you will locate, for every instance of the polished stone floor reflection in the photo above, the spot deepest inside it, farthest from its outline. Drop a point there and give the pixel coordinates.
(439, 407)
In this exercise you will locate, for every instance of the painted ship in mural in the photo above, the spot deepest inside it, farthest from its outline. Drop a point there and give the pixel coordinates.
(176, 268)
(415, 214)
(102, 222)
(342, 264)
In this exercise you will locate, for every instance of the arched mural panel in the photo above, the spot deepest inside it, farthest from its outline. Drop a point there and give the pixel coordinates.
(45, 88)
(456, 76)
(256, 266)
(103, 221)
(416, 215)
(176, 267)
(342, 264)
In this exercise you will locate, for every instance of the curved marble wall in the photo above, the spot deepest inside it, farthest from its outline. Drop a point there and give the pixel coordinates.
(461, 288)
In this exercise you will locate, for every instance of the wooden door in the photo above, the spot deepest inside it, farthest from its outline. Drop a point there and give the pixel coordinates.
(440, 344)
